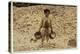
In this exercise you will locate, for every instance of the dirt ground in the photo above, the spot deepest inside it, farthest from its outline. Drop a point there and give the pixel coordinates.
(26, 21)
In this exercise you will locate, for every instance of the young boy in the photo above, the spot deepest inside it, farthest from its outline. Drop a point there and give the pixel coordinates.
(45, 29)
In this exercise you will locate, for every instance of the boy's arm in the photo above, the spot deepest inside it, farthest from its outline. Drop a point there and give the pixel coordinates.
(52, 28)
(51, 25)
(41, 25)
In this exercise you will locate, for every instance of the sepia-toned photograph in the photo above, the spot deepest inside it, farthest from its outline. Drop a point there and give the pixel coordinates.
(38, 26)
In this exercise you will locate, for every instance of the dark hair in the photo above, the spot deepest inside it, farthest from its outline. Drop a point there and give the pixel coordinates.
(46, 10)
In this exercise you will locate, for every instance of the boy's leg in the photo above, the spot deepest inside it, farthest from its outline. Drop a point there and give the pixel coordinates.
(43, 36)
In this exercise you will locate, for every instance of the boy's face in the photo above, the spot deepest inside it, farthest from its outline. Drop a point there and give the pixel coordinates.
(47, 14)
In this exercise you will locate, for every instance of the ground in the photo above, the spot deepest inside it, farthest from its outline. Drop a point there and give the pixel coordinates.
(26, 21)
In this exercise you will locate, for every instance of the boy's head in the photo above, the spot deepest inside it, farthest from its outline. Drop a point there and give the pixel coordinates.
(46, 12)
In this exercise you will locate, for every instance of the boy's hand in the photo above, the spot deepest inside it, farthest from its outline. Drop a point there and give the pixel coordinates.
(52, 31)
